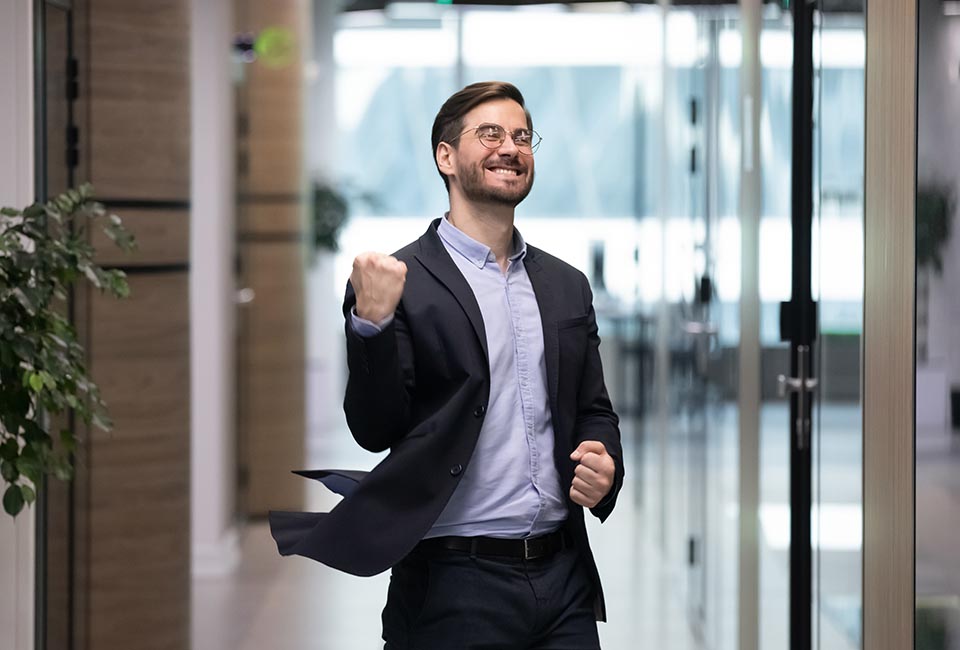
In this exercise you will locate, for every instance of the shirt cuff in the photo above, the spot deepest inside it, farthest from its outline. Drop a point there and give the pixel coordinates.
(366, 328)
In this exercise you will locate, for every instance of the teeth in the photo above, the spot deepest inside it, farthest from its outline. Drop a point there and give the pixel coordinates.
(499, 170)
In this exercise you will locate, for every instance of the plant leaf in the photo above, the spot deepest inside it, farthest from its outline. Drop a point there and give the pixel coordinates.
(62, 469)
(91, 275)
(34, 211)
(30, 467)
(28, 494)
(68, 440)
(9, 450)
(102, 422)
(9, 471)
(13, 500)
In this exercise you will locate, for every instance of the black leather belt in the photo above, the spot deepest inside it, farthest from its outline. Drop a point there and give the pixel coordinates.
(531, 548)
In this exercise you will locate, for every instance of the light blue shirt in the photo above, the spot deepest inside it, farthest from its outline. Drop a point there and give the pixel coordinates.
(511, 487)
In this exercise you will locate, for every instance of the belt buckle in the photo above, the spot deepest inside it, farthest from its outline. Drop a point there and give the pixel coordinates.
(527, 551)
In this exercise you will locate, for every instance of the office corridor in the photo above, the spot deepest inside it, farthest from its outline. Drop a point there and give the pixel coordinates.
(296, 604)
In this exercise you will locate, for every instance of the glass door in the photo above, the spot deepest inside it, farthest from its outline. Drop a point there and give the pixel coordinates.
(811, 322)
(837, 284)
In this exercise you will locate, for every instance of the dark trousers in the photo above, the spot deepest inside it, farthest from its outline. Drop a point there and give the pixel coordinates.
(452, 600)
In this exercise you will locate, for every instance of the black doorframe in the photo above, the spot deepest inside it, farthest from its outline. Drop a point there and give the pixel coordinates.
(43, 159)
(798, 325)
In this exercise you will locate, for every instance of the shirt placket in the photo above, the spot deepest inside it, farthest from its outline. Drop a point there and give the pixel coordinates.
(524, 380)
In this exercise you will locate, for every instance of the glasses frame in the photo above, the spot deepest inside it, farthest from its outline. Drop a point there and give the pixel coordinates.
(533, 146)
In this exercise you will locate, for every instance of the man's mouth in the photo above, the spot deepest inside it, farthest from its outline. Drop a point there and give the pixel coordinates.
(505, 171)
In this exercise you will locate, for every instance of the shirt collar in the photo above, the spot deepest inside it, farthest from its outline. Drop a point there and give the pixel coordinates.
(472, 250)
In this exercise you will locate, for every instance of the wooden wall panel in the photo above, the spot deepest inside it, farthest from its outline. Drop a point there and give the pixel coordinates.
(139, 98)
(163, 237)
(888, 338)
(139, 509)
(132, 497)
(272, 405)
(273, 218)
(272, 328)
(274, 104)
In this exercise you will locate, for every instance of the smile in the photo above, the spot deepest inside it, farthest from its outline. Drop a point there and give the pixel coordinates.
(504, 171)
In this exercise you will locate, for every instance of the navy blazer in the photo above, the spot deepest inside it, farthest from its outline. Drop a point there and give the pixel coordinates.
(420, 387)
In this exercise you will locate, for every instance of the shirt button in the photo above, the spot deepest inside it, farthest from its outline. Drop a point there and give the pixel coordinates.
(456, 470)
(479, 411)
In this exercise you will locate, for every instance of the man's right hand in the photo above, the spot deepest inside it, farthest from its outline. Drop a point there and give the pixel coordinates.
(378, 281)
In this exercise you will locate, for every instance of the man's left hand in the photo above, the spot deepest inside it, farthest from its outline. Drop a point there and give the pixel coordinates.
(594, 474)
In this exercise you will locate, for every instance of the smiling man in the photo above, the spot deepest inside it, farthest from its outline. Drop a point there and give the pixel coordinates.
(474, 359)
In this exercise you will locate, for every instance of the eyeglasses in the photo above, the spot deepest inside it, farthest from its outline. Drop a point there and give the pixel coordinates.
(492, 136)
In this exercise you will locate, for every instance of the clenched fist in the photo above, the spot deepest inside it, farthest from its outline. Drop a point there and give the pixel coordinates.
(594, 474)
(378, 281)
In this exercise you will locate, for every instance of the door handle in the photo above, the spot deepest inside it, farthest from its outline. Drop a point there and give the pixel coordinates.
(702, 332)
(699, 328)
(245, 296)
(803, 385)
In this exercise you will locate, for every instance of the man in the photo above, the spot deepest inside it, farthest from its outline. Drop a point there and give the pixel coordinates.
(474, 359)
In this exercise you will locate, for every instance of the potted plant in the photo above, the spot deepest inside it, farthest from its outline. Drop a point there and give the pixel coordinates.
(43, 252)
(935, 208)
(934, 211)
(330, 211)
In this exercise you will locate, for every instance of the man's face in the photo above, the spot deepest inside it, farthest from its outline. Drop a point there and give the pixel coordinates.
(503, 175)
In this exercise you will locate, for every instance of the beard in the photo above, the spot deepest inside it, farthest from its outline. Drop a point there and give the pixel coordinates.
(475, 189)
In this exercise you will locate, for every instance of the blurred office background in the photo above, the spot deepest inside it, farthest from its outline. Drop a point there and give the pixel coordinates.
(231, 134)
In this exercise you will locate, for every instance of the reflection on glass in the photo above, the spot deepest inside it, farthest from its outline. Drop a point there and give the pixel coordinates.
(938, 336)
(837, 282)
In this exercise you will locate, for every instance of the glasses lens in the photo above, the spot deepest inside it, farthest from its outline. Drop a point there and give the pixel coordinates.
(491, 135)
(526, 140)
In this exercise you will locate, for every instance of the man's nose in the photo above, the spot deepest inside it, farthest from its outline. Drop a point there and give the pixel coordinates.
(508, 147)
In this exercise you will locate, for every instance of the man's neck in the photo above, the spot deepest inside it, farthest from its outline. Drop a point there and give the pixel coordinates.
(489, 225)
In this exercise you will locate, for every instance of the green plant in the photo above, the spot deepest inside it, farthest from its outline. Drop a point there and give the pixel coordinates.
(43, 252)
(331, 209)
(935, 205)
(330, 212)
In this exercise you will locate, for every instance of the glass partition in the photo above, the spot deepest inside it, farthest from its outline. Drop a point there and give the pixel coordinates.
(937, 621)
(837, 267)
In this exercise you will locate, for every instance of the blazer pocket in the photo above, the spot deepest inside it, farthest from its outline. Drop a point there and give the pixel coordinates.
(577, 321)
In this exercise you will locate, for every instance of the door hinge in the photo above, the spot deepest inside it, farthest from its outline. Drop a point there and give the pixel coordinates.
(73, 79)
(73, 146)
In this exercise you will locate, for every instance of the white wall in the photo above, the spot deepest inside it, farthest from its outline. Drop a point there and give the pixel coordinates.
(212, 291)
(16, 189)
(938, 159)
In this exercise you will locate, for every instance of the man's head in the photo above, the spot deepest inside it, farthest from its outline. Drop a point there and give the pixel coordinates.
(481, 137)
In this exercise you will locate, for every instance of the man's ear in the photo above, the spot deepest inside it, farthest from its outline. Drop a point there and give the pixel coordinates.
(446, 156)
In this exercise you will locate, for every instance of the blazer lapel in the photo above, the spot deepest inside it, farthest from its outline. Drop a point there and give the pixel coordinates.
(436, 260)
(546, 301)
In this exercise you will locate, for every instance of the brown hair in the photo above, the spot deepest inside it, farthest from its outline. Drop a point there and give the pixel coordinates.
(449, 121)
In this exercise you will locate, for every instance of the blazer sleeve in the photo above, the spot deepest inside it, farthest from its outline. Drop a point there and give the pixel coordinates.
(596, 419)
(380, 383)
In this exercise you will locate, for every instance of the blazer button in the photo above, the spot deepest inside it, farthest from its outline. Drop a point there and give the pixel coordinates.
(479, 411)
(456, 470)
